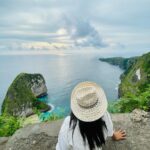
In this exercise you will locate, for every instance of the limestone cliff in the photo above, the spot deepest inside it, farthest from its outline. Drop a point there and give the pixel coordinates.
(21, 97)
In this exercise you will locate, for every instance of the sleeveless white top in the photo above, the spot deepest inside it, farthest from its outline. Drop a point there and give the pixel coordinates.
(65, 141)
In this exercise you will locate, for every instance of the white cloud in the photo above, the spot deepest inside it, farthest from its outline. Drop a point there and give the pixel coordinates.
(74, 25)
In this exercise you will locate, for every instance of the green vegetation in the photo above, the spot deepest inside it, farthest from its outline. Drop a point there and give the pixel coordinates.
(41, 106)
(8, 125)
(140, 100)
(130, 102)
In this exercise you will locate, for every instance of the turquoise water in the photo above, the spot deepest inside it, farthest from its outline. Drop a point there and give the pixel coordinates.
(61, 73)
(58, 111)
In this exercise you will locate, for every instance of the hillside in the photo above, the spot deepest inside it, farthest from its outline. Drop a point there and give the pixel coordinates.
(136, 78)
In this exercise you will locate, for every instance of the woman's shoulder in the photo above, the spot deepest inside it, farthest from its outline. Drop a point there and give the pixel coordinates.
(66, 120)
(107, 118)
(66, 123)
(106, 115)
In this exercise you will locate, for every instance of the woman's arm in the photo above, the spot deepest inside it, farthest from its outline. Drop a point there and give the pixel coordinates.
(116, 135)
(62, 143)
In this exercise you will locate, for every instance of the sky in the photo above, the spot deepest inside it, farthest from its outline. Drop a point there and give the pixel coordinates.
(107, 27)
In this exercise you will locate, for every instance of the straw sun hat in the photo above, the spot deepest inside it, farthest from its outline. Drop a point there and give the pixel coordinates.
(88, 101)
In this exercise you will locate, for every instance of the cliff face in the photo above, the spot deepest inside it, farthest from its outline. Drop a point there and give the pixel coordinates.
(136, 76)
(21, 97)
(43, 136)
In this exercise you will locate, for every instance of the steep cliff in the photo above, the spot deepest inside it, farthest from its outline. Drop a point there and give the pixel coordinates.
(21, 97)
(136, 78)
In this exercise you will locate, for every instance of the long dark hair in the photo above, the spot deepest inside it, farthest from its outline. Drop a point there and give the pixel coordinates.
(92, 131)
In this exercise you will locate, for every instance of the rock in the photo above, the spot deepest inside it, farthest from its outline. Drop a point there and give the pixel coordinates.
(22, 95)
(139, 115)
(43, 136)
(27, 112)
(38, 87)
(34, 142)
(3, 141)
(137, 76)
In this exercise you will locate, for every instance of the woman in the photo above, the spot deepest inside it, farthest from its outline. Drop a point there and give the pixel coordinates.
(89, 124)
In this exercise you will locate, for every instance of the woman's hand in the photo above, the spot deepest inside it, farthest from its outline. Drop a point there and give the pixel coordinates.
(119, 135)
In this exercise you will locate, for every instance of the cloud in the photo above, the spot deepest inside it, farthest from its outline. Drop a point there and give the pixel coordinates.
(82, 33)
(68, 24)
(72, 33)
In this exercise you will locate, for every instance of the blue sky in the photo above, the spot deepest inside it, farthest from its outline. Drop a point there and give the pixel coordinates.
(109, 27)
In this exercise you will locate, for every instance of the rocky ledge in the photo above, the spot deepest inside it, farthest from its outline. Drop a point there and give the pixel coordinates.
(43, 136)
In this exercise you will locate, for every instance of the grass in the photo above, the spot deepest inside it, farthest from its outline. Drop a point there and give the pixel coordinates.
(30, 120)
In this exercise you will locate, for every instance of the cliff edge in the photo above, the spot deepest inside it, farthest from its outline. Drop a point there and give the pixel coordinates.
(43, 136)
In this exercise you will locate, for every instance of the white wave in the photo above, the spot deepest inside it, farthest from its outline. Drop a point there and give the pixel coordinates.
(116, 88)
(52, 107)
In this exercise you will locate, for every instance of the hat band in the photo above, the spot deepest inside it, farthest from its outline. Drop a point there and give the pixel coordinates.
(88, 107)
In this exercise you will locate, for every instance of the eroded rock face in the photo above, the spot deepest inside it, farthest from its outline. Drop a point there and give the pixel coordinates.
(137, 76)
(38, 86)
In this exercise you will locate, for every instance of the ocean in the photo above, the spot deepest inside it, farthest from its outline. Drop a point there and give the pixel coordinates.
(61, 73)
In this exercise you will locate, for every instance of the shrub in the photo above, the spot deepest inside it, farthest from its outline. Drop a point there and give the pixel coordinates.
(8, 125)
(131, 101)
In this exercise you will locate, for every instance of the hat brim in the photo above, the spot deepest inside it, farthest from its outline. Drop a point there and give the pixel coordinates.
(93, 113)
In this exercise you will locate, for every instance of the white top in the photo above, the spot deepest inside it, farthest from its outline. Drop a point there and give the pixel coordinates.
(65, 141)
